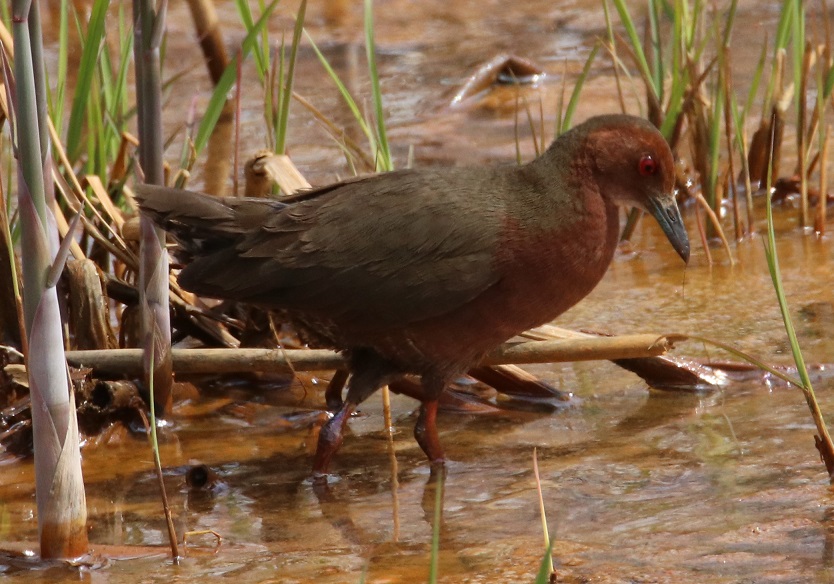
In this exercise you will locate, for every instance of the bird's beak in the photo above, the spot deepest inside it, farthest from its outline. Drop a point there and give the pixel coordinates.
(666, 211)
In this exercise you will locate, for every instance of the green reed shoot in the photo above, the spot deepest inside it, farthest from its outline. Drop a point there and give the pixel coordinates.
(543, 576)
(564, 122)
(276, 72)
(823, 440)
(346, 96)
(382, 156)
(57, 96)
(227, 80)
(286, 82)
(91, 49)
(260, 49)
(374, 133)
(54, 427)
(637, 47)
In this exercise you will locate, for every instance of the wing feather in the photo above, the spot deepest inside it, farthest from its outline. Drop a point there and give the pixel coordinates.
(390, 249)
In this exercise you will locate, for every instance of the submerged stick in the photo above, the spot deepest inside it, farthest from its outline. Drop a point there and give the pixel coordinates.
(189, 361)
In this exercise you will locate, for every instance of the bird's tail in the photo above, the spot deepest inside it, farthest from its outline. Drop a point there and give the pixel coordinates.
(202, 224)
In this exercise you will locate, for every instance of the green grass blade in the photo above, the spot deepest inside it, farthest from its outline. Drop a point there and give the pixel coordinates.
(728, 23)
(57, 97)
(755, 82)
(261, 46)
(545, 567)
(783, 29)
(634, 39)
(349, 101)
(829, 83)
(227, 80)
(86, 71)
(577, 90)
(680, 84)
(775, 275)
(121, 106)
(383, 153)
(287, 80)
(655, 47)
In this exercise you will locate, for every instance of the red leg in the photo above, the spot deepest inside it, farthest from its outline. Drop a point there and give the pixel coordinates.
(330, 439)
(425, 431)
(333, 393)
(369, 373)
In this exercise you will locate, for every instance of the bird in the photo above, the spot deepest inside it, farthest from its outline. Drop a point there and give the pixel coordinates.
(422, 272)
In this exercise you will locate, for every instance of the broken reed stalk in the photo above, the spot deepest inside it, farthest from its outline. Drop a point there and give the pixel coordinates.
(196, 361)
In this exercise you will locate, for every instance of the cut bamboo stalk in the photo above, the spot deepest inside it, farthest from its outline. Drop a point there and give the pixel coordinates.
(191, 361)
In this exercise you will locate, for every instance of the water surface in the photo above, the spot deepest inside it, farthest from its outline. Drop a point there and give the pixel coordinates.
(639, 485)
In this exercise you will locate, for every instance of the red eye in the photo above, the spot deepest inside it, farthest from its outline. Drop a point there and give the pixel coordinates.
(647, 165)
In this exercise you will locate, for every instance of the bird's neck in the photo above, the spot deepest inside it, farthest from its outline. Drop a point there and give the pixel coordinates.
(561, 236)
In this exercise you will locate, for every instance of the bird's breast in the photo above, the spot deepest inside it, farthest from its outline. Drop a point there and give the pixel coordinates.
(546, 270)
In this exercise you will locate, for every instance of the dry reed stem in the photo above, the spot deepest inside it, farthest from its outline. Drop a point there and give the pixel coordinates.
(346, 142)
(823, 197)
(63, 229)
(124, 254)
(194, 361)
(716, 223)
(97, 186)
(702, 232)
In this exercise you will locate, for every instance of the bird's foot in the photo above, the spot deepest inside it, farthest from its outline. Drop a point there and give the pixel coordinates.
(330, 439)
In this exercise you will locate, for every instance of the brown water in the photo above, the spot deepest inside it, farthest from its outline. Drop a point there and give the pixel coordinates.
(639, 485)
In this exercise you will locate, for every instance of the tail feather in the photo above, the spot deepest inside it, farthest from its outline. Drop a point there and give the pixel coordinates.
(202, 224)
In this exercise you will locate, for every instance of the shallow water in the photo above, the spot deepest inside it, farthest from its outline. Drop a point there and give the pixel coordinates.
(639, 485)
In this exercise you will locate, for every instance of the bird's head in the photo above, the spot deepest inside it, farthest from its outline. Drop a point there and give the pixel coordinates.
(634, 167)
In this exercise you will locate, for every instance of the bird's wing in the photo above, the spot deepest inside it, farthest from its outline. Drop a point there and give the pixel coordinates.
(390, 249)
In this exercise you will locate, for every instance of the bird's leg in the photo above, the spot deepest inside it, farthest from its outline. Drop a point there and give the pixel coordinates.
(330, 439)
(333, 393)
(425, 430)
(370, 372)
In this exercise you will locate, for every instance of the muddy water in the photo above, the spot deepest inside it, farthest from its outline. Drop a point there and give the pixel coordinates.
(639, 485)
